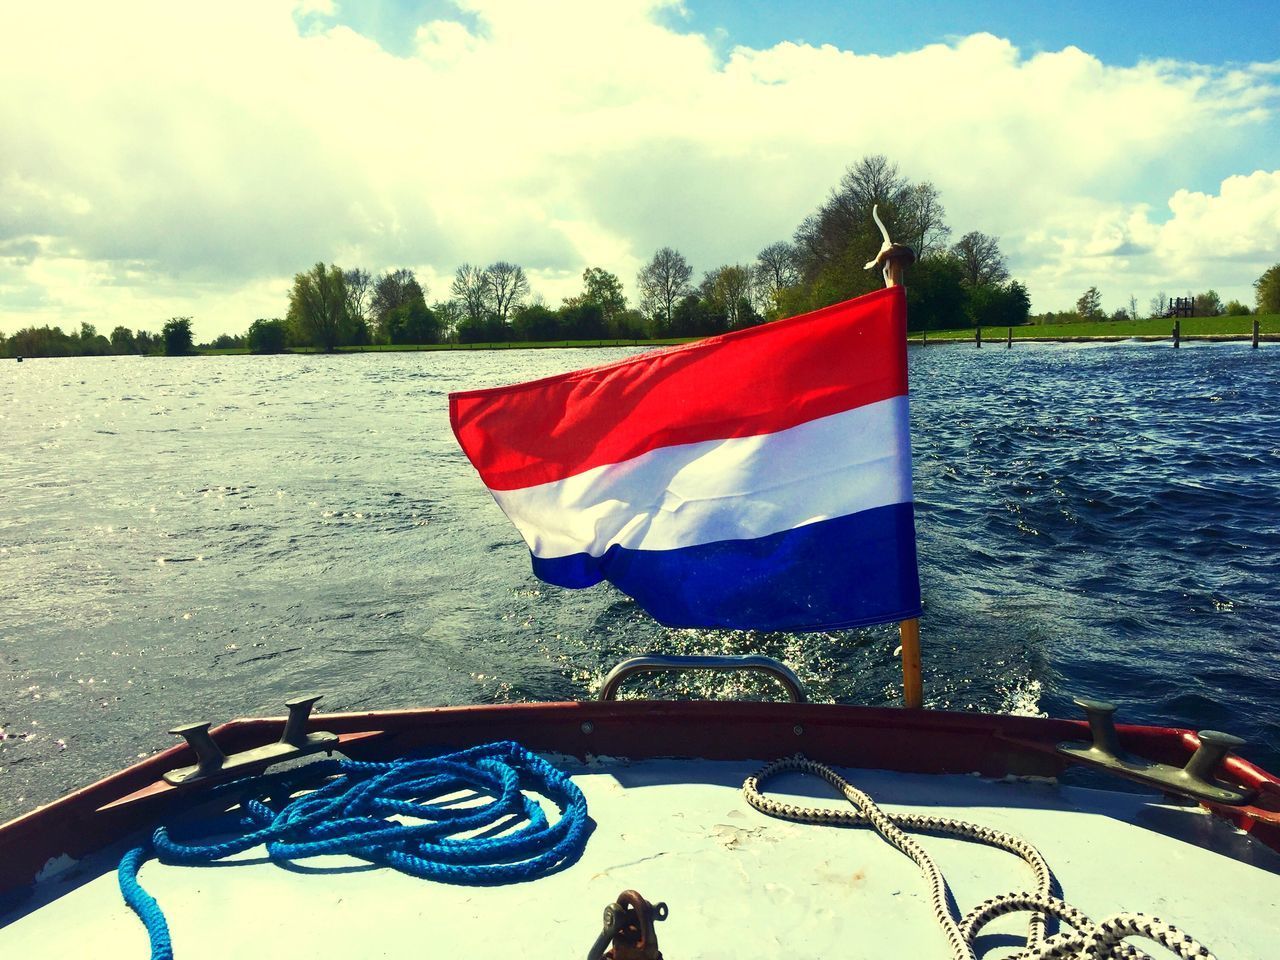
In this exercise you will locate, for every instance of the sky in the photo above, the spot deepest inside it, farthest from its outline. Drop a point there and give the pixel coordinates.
(162, 159)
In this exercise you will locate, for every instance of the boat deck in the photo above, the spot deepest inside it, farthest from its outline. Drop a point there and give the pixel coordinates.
(738, 883)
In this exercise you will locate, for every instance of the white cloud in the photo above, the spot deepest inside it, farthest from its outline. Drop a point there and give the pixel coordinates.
(166, 159)
(1242, 222)
(324, 7)
(445, 42)
(1222, 241)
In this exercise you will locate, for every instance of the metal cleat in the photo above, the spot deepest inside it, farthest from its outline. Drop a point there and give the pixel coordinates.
(1195, 780)
(295, 728)
(1199, 771)
(210, 758)
(213, 763)
(1102, 724)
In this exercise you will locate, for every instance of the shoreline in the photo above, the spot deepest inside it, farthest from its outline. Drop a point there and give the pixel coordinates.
(914, 339)
(918, 341)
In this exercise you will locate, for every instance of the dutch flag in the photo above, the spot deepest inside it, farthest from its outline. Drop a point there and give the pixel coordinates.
(760, 479)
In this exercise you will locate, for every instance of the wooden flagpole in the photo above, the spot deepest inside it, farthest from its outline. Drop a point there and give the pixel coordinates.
(893, 258)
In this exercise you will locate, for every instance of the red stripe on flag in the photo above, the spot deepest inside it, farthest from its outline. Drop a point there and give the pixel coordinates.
(741, 384)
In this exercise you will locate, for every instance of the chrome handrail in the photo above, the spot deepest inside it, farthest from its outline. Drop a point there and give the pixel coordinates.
(657, 663)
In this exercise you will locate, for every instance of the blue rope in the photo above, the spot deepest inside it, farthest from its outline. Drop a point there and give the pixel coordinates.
(351, 815)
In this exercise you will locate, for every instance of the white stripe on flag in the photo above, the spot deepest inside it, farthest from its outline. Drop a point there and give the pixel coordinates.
(737, 489)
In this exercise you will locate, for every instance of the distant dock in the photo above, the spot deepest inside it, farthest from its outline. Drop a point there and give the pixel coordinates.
(1005, 336)
(919, 340)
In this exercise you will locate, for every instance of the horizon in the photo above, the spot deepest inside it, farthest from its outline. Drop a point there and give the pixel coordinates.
(165, 163)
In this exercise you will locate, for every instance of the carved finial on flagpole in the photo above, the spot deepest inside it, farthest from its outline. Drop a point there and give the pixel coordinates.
(892, 256)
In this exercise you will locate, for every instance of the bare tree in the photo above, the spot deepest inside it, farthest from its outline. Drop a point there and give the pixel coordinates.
(775, 269)
(1159, 304)
(471, 289)
(662, 282)
(980, 259)
(359, 291)
(875, 180)
(1133, 307)
(924, 220)
(507, 287)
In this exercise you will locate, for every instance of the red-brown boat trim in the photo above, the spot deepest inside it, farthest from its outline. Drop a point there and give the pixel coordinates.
(917, 741)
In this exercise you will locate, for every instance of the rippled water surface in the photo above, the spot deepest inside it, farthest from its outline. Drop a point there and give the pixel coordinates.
(200, 538)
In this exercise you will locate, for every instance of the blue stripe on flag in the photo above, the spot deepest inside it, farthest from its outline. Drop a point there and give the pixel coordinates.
(850, 571)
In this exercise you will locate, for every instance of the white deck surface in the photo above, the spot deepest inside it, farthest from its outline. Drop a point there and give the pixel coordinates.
(738, 883)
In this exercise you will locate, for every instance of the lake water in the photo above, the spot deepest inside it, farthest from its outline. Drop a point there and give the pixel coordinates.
(198, 539)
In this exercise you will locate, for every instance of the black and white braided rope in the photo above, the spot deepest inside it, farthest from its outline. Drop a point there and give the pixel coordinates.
(1086, 940)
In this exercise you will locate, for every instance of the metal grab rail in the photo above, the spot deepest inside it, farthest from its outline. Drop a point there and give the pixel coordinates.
(657, 663)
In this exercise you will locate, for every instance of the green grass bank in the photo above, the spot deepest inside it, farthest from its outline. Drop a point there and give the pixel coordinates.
(1158, 327)
(498, 345)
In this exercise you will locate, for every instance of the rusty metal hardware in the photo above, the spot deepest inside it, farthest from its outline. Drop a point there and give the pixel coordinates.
(658, 663)
(628, 932)
(1195, 780)
(211, 762)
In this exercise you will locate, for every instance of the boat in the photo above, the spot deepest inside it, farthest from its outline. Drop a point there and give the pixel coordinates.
(619, 829)
(1197, 844)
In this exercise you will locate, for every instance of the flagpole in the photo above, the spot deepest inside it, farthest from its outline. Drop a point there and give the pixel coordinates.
(893, 258)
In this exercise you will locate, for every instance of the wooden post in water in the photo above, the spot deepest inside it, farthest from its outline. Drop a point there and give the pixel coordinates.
(924, 336)
(977, 337)
(1255, 333)
(1177, 332)
(893, 257)
(1009, 343)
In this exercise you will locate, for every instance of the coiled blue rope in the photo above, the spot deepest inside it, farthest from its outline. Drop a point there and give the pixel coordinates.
(351, 814)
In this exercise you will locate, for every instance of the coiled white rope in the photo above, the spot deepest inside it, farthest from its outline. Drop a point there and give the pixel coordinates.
(1086, 940)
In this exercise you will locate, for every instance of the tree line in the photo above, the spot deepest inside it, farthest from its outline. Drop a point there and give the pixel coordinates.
(951, 285)
(965, 283)
(330, 307)
(1207, 304)
(174, 340)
